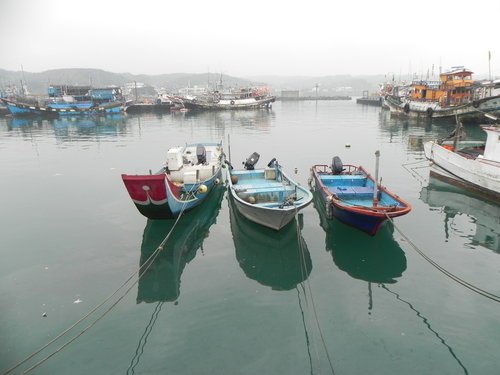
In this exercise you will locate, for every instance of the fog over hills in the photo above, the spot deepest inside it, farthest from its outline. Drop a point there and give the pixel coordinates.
(37, 83)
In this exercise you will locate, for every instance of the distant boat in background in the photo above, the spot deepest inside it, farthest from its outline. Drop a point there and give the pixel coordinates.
(163, 104)
(69, 100)
(243, 98)
(453, 95)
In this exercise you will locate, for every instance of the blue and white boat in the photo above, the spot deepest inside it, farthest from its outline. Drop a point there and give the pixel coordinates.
(350, 194)
(70, 100)
(267, 196)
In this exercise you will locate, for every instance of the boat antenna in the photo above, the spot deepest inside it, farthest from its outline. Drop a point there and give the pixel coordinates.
(489, 69)
(24, 79)
(375, 187)
(489, 65)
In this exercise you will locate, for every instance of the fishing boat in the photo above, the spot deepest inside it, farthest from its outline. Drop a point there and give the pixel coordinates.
(185, 181)
(266, 196)
(469, 164)
(69, 101)
(350, 194)
(453, 95)
(243, 98)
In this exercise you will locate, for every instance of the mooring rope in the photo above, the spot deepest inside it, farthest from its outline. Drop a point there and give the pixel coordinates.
(303, 261)
(308, 342)
(428, 324)
(138, 272)
(421, 179)
(144, 338)
(455, 278)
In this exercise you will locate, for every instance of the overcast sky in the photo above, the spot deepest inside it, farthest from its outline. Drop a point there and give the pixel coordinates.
(252, 37)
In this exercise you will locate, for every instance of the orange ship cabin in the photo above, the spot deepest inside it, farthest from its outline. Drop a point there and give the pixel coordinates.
(426, 91)
(457, 83)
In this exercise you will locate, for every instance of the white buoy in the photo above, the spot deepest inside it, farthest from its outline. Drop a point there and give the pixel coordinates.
(347, 145)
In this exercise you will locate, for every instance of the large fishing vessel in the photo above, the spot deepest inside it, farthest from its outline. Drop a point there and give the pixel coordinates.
(243, 98)
(69, 100)
(453, 96)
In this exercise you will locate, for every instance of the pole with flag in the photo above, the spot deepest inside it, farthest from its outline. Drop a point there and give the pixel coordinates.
(489, 69)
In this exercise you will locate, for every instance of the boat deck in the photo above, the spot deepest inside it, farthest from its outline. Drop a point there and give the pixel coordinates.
(254, 187)
(355, 190)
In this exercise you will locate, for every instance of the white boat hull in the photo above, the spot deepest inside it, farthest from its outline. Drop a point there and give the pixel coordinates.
(273, 219)
(472, 112)
(482, 173)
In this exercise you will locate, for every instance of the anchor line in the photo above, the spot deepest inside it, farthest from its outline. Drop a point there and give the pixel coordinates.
(142, 344)
(308, 342)
(426, 322)
(452, 276)
(139, 272)
(313, 305)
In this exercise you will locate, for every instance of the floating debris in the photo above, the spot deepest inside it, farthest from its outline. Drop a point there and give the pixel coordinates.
(78, 301)
(44, 314)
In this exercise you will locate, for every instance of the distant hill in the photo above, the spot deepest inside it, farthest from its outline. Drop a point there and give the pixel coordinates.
(37, 83)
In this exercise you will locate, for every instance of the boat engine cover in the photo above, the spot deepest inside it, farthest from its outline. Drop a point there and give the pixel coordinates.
(251, 161)
(201, 154)
(337, 166)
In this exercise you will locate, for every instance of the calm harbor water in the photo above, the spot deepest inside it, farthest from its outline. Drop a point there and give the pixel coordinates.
(226, 296)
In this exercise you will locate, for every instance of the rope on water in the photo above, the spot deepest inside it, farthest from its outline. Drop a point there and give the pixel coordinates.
(144, 338)
(428, 324)
(455, 278)
(303, 262)
(421, 179)
(138, 272)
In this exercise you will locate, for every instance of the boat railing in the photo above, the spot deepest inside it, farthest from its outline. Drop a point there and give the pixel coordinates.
(346, 168)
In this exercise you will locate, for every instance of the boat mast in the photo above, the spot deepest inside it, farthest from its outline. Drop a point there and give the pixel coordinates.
(24, 79)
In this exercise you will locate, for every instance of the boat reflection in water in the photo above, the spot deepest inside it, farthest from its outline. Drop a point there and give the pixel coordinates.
(377, 259)
(278, 259)
(161, 281)
(454, 202)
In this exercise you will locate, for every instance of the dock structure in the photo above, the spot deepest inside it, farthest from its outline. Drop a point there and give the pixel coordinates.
(373, 99)
(294, 95)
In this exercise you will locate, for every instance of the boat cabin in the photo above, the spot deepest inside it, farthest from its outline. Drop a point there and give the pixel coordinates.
(453, 88)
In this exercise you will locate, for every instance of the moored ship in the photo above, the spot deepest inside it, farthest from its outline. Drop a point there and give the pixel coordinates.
(69, 100)
(454, 96)
(243, 98)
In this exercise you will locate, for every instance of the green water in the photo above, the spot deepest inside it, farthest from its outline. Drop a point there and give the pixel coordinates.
(226, 296)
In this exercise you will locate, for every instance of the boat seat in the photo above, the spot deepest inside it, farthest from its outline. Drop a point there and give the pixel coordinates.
(264, 189)
(343, 177)
(352, 191)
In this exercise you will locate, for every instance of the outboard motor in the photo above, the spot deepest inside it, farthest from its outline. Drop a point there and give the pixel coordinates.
(201, 154)
(251, 161)
(337, 166)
